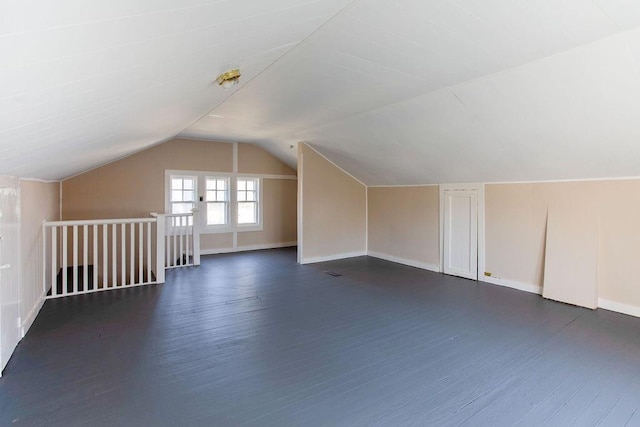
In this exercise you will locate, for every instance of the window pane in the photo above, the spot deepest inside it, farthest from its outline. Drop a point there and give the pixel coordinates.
(242, 196)
(211, 184)
(222, 184)
(242, 184)
(251, 196)
(188, 183)
(176, 195)
(222, 196)
(176, 184)
(211, 196)
(216, 213)
(251, 185)
(188, 196)
(247, 213)
(178, 208)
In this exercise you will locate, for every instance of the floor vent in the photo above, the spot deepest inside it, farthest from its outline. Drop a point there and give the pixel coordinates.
(333, 273)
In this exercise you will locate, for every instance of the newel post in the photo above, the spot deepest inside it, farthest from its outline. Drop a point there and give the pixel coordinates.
(161, 227)
(196, 236)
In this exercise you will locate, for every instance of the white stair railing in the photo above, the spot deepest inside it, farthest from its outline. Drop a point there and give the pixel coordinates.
(96, 255)
(182, 240)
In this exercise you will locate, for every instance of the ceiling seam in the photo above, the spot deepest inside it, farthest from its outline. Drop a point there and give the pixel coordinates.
(331, 18)
(453, 86)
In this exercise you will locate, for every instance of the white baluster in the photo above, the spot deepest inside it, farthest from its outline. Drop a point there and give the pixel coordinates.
(95, 257)
(85, 258)
(140, 252)
(181, 239)
(132, 256)
(74, 268)
(114, 255)
(54, 261)
(105, 256)
(123, 267)
(149, 252)
(64, 260)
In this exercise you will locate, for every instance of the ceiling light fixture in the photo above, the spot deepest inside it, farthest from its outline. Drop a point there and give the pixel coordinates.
(228, 79)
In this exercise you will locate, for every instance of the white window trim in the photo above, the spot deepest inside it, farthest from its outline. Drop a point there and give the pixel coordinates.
(249, 227)
(167, 195)
(215, 228)
(201, 177)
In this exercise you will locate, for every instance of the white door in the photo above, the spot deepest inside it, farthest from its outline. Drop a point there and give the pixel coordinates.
(9, 268)
(461, 233)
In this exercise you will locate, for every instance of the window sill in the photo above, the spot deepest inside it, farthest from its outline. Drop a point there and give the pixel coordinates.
(239, 229)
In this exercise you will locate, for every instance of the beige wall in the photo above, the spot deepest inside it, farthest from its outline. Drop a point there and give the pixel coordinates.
(333, 209)
(403, 223)
(253, 159)
(134, 187)
(38, 202)
(279, 209)
(515, 232)
(516, 221)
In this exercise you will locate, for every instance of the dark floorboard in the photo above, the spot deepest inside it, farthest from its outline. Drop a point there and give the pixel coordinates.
(255, 339)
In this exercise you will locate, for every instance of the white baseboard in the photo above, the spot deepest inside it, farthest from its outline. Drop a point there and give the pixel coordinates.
(405, 261)
(332, 257)
(631, 310)
(247, 248)
(31, 317)
(512, 284)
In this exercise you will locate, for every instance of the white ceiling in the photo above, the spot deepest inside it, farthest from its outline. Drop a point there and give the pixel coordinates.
(394, 91)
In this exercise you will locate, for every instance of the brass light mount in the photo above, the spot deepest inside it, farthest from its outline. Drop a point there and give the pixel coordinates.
(228, 79)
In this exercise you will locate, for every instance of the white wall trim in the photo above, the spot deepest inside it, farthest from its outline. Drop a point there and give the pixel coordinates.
(330, 161)
(235, 157)
(479, 187)
(229, 174)
(269, 176)
(366, 219)
(402, 185)
(534, 289)
(300, 207)
(146, 147)
(405, 261)
(44, 181)
(333, 257)
(60, 201)
(551, 181)
(618, 307)
(31, 317)
(540, 181)
(247, 248)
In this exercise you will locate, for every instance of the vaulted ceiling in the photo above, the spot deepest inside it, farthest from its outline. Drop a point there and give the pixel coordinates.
(393, 91)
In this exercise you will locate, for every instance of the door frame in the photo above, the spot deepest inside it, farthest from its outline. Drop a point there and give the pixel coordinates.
(479, 187)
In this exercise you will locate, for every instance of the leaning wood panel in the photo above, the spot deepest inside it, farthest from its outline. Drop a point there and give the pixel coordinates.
(571, 256)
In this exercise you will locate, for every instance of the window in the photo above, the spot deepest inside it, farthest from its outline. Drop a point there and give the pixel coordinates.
(247, 201)
(183, 198)
(217, 199)
(225, 202)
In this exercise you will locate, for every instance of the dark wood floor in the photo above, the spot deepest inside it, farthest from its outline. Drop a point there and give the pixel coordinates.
(255, 339)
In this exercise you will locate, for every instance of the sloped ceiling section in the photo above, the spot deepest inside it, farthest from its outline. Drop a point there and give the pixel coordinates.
(412, 92)
(394, 91)
(83, 82)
